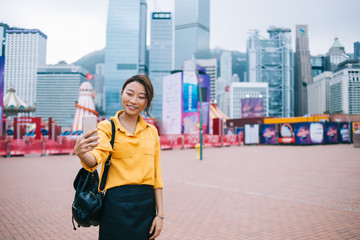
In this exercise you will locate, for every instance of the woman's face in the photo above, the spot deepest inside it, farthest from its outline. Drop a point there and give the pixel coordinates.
(133, 98)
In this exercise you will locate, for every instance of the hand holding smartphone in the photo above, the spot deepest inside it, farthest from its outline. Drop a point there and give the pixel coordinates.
(89, 123)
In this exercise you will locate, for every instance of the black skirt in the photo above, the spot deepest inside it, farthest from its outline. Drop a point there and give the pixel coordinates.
(128, 212)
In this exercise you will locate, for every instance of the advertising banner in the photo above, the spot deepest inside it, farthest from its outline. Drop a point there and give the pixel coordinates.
(190, 140)
(302, 133)
(316, 133)
(252, 134)
(268, 134)
(191, 122)
(252, 107)
(286, 133)
(240, 132)
(356, 127)
(2, 69)
(212, 140)
(172, 103)
(190, 92)
(331, 132)
(344, 132)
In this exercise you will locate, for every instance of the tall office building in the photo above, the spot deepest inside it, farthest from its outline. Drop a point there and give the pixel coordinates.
(192, 29)
(303, 74)
(210, 66)
(226, 66)
(356, 50)
(345, 89)
(25, 51)
(317, 65)
(3, 28)
(57, 91)
(318, 94)
(125, 52)
(335, 55)
(270, 60)
(160, 56)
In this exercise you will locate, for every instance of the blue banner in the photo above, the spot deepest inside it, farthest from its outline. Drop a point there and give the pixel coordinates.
(268, 134)
(302, 133)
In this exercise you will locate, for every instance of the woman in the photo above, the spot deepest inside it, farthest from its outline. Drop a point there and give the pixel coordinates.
(133, 203)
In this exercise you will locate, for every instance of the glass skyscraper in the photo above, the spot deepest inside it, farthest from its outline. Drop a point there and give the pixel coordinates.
(192, 33)
(271, 60)
(161, 56)
(125, 50)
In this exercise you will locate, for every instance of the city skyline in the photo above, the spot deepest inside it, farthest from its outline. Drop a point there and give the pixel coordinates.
(78, 28)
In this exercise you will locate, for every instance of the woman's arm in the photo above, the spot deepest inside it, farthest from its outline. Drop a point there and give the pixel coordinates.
(83, 146)
(157, 224)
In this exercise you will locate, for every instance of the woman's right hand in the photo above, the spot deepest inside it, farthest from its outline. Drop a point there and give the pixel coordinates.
(85, 143)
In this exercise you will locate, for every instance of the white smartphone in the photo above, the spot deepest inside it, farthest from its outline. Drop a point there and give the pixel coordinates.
(89, 123)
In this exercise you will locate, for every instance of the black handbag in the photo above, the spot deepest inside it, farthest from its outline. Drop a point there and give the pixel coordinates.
(87, 204)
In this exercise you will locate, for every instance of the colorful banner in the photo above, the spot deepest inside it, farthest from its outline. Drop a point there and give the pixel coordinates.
(268, 134)
(316, 133)
(252, 107)
(344, 132)
(356, 127)
(286, 133)
(191, 122)
(331, 132)
(190, 92)
(302, 133)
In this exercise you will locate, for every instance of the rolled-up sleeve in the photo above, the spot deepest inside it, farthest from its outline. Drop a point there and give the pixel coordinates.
(158, 182)
(103, 150)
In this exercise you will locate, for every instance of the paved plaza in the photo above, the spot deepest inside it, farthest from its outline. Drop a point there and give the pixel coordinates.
(245, 192)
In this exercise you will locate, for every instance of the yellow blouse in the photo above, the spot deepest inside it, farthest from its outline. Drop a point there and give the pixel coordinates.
(135, 158)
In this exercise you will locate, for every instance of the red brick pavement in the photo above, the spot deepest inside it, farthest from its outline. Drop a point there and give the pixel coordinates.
(247, 192)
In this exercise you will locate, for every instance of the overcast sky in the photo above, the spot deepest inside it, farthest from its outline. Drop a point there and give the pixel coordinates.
(77, 27)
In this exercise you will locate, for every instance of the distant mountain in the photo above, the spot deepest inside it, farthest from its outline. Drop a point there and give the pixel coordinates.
(238, 60)
(90, 60)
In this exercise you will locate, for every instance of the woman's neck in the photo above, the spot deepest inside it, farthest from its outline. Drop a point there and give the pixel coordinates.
(129, 119)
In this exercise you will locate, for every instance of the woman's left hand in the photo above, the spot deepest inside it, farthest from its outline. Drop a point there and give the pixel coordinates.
(156, 227)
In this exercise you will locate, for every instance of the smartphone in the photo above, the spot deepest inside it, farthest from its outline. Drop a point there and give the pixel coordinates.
(89, 123)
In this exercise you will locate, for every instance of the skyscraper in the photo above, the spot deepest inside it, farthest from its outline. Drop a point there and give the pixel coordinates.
(270, 60)
(303, 74)
(210, 66)
(125, 52)
(226, 66)
(25, 51)
(161, 56)
(335, 55)
(192, 29)
(356, 50)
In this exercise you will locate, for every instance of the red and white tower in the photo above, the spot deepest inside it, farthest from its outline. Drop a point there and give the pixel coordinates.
(84, 106)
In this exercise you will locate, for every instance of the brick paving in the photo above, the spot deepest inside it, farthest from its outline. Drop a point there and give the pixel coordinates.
(246, 192)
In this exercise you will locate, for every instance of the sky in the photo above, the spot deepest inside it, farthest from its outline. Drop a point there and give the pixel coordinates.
(78, 27)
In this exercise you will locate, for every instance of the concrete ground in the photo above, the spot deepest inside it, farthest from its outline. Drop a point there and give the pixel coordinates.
(245, 192)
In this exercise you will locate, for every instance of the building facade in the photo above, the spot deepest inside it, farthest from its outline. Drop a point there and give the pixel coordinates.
(210, 66)
(160, 56)
(125, 52)
(192, 29)
(57, 91)
(25, 51)
(317, 65)
(302, 70)
(335, 55)
(318, 94)
(345, 90)
(356, 50)
(244, 90)
(271, 61)
(226, 66)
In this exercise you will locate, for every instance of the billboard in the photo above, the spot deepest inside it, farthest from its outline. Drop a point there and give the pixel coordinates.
(171, 119)
(2, 69)
(268, 134)
(302, 133)
(191, 122)
(316, 132)
(356, 127)
(331, 132)
(190, 92)
(252, 134)
(252, 107)
(344, 133)
(286, 133)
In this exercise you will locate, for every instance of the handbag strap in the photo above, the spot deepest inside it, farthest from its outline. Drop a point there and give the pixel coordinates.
(108, 161)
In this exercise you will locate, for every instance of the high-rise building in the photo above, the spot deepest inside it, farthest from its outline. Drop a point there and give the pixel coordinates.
(226, 66)
(345, 89)
(57, 91)
(160, 56)
(25, 51)
(356, 50)
(302, 70)
(317, 65)
(258, 92)
(210, 66)
(270, 60)
(335, 55)
(318, 94)
(192, 29)
(125, 52)
(98, 86)
(3, 28)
